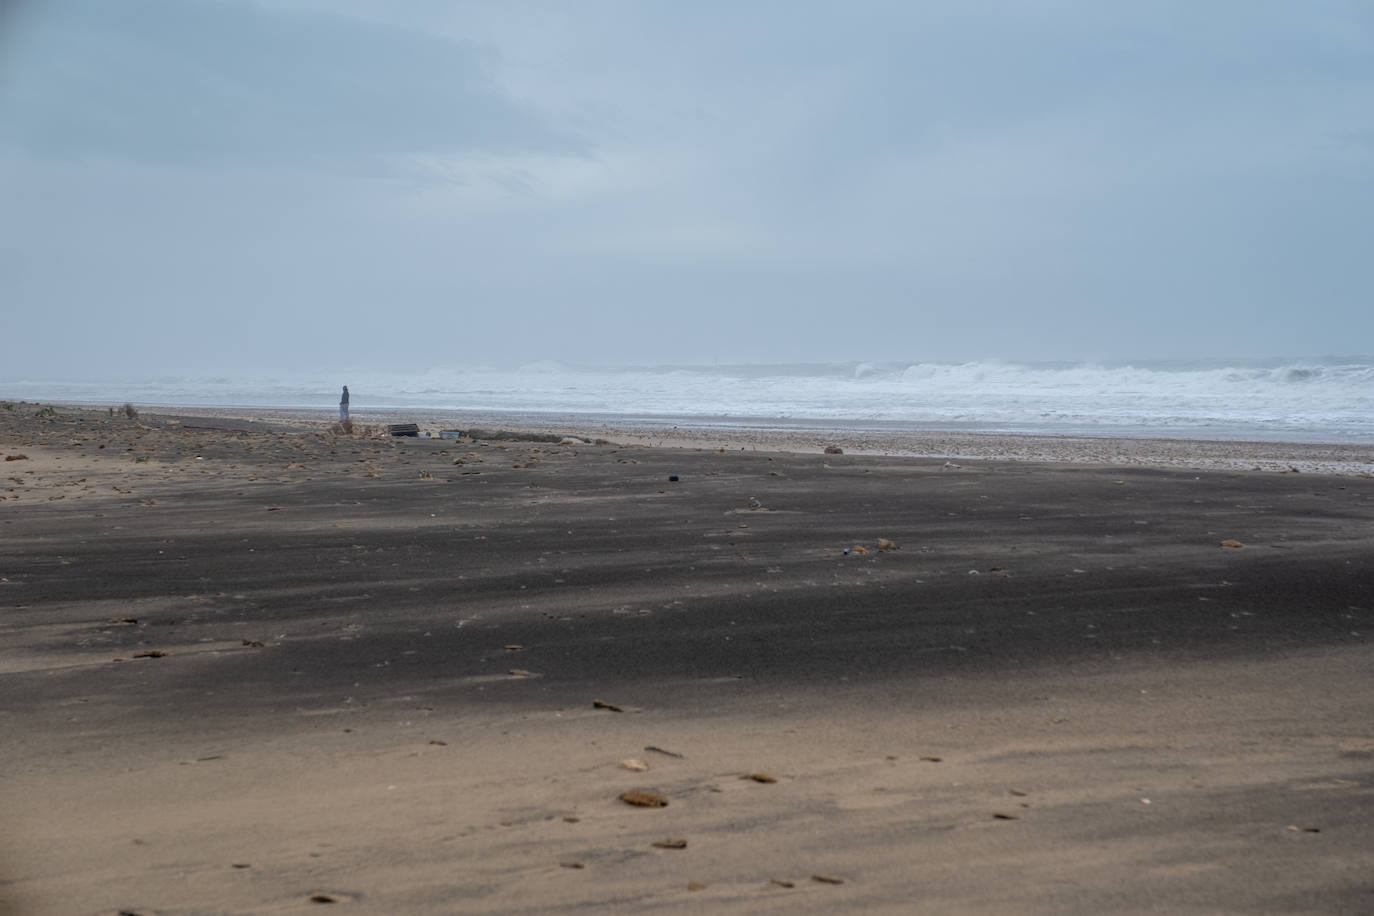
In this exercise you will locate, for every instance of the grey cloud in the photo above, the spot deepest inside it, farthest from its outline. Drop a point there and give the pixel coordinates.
(189, 81)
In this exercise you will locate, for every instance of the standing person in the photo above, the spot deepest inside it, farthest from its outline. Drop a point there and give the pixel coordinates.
(343, 405)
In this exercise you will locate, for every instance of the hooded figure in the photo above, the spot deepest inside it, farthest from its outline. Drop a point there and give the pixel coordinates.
(343, 405)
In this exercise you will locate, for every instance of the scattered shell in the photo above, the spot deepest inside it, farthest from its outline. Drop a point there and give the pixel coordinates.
(631, 763)
(644, 798)
(1232, 543)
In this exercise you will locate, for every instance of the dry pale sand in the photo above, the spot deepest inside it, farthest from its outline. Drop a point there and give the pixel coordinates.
(269, 670)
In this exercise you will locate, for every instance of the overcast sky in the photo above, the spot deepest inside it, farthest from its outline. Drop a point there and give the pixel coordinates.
(220, 184)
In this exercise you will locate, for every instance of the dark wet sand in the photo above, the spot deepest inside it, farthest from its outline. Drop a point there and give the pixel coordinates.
(1058, 694)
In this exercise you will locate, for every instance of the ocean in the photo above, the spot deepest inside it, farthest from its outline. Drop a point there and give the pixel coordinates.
(1312, 400)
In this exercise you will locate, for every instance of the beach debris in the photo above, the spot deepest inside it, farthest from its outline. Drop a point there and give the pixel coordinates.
(857, 548)
(950, 466)
(833, 450)
(644, 798)
(1017, 792)
(323, 898)
(999, 816)
(659, 750)
(240, 865)
(151, 653)
(672, 478)
(571, 865)
(602, 704)
(513, 647)
(521, 672)
(254, 643)
(1119, 482)
(759, 777)
(121, 621)
(782, 882)
(754, 503)
(827, 879)
(1296, 829)
(634, 764)
(931, 759)
(1232, 544)
(695, 886)
(571, 820)
(670, 843)
(885, 544)
(19, 457)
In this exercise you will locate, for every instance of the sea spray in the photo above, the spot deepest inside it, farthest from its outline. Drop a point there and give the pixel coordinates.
(1295, 400)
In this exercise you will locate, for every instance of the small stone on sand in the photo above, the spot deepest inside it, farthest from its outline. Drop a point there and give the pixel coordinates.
(644, 798)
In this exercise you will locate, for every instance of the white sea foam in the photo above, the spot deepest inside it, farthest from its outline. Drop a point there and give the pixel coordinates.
(1296, 400)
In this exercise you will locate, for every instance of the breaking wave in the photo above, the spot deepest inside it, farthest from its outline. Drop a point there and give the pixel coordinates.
(1315, 400)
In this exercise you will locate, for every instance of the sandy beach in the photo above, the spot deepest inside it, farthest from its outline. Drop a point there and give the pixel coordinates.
(250, 666)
